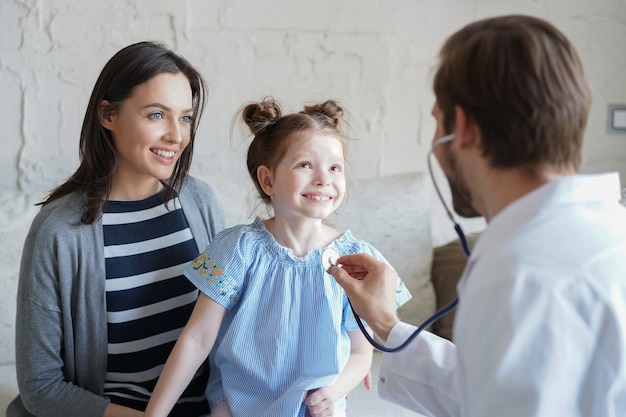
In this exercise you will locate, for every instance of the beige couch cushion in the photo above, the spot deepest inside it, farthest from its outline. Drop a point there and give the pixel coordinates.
(448, 263)
(393, 214)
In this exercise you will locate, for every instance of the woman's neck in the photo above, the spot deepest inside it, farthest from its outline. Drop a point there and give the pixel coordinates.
(127, 190)
(301, 236)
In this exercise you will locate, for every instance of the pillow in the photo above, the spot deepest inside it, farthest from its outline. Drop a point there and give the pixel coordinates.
(447, 267)
(393, 214)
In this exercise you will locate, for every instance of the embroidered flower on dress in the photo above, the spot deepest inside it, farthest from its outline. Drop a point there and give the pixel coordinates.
(215, 276)
(401, 287)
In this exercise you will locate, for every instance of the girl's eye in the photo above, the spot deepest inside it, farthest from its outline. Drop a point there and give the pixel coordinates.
(304, 165)
(187, 119)
(336, 168)
(156, 115)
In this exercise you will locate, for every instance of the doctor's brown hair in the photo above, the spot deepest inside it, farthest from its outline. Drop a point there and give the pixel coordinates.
(523, 84)
(273, 132)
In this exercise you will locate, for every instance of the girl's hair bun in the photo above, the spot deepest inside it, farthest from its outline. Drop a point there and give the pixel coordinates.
(259, 116)
(328, 110)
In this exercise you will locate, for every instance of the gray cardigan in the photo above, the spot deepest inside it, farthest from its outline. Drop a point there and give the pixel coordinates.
(61, 324)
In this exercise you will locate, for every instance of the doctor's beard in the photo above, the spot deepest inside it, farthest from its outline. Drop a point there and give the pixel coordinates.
(461, 196)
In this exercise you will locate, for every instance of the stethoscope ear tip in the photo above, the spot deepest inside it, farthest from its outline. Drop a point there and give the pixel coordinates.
(442, 140)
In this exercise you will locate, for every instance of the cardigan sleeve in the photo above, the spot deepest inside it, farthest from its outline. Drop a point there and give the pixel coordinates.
(47, 357)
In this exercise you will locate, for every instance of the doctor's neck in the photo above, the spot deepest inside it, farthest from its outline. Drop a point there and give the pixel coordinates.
(501, 187)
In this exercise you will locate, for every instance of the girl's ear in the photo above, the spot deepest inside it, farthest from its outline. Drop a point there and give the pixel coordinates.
(105, 114)
(264, 176)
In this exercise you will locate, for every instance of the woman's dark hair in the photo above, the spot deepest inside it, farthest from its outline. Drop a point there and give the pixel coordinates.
(273, 132)
(128, 68)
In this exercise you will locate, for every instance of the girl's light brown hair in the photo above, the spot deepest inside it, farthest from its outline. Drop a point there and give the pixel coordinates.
(273, 132)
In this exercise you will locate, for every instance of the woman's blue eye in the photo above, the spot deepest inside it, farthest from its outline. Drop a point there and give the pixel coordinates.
(187, 119)
(157, 115)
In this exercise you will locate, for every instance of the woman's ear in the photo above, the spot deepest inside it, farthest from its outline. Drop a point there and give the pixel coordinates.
(266, 180)
(105, 114)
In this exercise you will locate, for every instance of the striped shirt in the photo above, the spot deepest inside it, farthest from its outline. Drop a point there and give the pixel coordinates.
(146, 247)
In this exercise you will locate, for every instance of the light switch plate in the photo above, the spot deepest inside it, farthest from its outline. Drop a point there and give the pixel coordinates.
(617, 118)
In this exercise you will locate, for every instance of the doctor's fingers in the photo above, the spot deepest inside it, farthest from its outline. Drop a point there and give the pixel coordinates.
(362, 266)
(372, 298)
(376, 286)
(345, 280)
(358, 262)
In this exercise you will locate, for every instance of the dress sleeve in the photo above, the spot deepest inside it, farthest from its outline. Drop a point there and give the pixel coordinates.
(220, 270)
(402, 293)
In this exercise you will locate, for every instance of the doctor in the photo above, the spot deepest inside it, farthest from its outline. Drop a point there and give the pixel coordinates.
(541, 323)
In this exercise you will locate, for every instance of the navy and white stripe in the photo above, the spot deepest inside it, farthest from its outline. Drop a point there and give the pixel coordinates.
(147, 244)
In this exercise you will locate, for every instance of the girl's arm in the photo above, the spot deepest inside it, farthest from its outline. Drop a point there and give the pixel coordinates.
(321, 402)
(115, 410)
(190, 351)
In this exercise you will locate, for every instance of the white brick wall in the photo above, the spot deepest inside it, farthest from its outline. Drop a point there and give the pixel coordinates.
(376, 56)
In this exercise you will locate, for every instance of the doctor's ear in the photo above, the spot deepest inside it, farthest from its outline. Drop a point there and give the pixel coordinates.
(266, 180)
(467, 131)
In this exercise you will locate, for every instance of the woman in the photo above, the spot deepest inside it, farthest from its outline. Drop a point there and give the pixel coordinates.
(101, 295)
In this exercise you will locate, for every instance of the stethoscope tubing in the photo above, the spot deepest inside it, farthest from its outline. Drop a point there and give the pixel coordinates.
(448, 307)
(430, 320)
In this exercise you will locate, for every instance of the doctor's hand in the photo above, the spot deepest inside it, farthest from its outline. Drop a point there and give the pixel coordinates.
(371, 287)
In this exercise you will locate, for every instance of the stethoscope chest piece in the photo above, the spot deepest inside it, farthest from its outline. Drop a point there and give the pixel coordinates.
(329, 258)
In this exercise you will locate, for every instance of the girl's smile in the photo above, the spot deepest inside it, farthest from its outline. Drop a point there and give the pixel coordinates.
(309, 181)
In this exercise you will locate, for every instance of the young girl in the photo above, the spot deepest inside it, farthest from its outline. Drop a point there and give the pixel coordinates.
(281, 335)
(101, 297)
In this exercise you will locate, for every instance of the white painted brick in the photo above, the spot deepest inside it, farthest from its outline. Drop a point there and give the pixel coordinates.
(375, 56)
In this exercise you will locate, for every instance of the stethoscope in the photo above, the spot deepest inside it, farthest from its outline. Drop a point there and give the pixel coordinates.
(329, 259)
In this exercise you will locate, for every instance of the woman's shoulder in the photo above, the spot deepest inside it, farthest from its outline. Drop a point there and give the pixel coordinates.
(196, 193)
(198, 187)
(63, 213)
(203, 193)
(58, 221)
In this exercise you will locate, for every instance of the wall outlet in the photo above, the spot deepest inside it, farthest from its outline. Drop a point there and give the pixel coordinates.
(617, 118)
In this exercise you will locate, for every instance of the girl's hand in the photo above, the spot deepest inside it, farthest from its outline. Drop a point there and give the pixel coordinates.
(319, 403)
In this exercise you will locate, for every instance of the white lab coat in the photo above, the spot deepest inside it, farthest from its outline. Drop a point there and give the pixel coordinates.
(541, 324)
